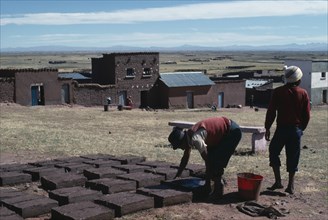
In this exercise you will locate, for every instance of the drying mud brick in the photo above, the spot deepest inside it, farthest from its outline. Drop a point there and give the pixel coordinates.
(143, 179)
(130, 168)
(82, 211)
(155, 164)
(9, 193)
(104, 172)
(102, 163)
(38, 172)
(189, 184)
(74, 167)
(129, 159)
(110, 186)
(166, 197)
(57, 181)
(98, 156)
(126, 202)
(65, 196)
(16, 167)
(72, 160)
(11, 178)
(30, 205)
(7, 214)
(167, 172)
(194, 168)
(45, 163)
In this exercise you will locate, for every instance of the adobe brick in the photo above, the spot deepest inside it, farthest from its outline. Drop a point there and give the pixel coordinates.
(30, 205)
(74, 194)
(57, 181)
(7, 214)
(126, 202)
(166, 197)
(104, 172)
(167, 172)
(143, 179)
(38, 172)
(11, 178)
(110, 186)
(82, 210)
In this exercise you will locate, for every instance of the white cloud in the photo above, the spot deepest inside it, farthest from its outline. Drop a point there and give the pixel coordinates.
(165, 39)
(234, 9)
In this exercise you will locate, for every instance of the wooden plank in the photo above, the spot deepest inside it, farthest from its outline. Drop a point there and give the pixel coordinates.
(245, 129)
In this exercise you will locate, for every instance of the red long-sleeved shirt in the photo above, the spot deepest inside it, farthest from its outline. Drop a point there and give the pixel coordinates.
(291, 105)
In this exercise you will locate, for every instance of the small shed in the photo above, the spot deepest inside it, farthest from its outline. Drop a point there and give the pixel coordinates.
(184, 90)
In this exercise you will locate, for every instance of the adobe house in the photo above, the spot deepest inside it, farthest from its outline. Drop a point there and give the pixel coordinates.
(132, 74)
(195, 90)
(35, 87)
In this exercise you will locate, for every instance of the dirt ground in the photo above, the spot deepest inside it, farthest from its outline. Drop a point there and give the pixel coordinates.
(306, 203)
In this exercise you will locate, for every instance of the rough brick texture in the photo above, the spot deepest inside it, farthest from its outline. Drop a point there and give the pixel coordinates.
(30, 205)
(110, 186)
(82, 211)
(166, 197)
(126, 202)
(10, 178)
(57, 181)
(104, 172)
(143, 179)
(73, 194)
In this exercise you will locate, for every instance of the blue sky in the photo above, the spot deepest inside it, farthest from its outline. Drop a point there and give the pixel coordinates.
(85, 23)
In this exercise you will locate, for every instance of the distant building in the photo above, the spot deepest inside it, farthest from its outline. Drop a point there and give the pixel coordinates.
(34, 87)
(133, 74)
(196, 90)
(315, 79)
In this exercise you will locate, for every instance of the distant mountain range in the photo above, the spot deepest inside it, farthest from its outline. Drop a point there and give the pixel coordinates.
(119, 48)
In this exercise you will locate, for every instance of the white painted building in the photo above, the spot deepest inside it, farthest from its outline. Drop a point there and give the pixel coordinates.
(315, 78)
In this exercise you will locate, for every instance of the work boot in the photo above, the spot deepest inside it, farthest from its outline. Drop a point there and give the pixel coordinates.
(218, 189)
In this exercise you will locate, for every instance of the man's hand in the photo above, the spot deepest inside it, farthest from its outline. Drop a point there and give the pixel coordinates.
(267, 134)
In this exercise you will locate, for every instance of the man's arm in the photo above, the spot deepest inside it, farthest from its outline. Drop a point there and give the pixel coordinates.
(184, 161)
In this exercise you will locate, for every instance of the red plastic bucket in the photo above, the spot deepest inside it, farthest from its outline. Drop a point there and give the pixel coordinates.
(249, 185)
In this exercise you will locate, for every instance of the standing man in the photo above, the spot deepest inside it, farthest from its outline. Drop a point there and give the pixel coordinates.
(216, 140)
(291, 105)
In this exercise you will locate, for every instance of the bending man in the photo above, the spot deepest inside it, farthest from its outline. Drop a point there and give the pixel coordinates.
(216, 140)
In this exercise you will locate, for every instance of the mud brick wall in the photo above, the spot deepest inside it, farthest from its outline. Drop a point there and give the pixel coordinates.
(93, 94)
(112, 69)
(7, 89)
(47, 77)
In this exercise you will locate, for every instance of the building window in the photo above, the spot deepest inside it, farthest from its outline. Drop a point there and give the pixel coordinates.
(323, 75)
(146, 72)
(130, 73)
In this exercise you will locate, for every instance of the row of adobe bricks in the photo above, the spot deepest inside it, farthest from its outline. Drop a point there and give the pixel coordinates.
(95, 187)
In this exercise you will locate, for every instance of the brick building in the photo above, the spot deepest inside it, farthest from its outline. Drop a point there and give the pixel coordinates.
(34, 87)
(133, 74)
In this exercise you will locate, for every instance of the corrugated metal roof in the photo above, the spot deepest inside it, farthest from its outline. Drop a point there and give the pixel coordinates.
(76, 76)
(181, 79)
(254, 83)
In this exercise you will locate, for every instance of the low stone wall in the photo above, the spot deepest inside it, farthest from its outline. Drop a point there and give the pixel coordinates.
(93, 94)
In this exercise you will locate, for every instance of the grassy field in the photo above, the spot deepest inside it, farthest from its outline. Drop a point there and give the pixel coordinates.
(61, 131)
(215, 63)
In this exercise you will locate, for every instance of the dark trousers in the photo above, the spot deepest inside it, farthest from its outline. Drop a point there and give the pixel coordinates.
(290, 137)
(219, 156)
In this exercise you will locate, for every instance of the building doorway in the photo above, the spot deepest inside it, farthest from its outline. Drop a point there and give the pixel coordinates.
(144, 99)
(122, 98)
(190, 99)
(65, 94)
(324, 96)
(37, 95)
(221, 100)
